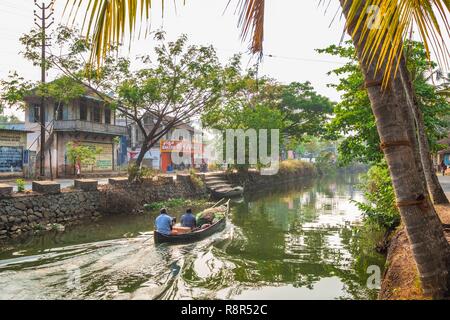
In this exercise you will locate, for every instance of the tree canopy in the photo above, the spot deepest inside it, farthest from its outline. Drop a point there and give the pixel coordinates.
(353, 121)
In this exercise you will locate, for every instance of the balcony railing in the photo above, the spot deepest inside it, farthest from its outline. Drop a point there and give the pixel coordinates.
(88, 126)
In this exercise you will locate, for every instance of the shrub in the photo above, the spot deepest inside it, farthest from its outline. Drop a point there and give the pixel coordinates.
(380, 208)
(170, 203)
(198, 183)
(20, 185)
(293, 166)
(214, 167)
(325, 163)
(139, 174)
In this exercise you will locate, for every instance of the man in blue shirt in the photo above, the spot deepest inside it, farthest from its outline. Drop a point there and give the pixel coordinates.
(188, 219)
(163, 222)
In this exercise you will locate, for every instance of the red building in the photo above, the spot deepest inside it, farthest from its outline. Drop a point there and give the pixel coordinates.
(192, 152)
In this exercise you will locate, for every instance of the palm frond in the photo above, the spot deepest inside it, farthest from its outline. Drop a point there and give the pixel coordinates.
(384, 36)
(251, 20)
(109, 20)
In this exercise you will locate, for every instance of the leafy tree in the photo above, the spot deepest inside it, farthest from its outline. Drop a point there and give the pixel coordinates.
(244, 117)
(305, 111)
(262, 103)
(354, 122)
(9, 119)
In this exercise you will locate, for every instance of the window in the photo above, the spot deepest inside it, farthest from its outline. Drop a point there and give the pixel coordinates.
(58, 111)
(107, 115)
(96, 114)
(34, 113)
(83, 110)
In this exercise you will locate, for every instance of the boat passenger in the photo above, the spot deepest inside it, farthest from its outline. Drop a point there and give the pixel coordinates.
(188, 219)
(164, 222)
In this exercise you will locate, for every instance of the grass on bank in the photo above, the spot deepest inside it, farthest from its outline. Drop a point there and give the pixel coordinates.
(293, 166)
(177, 203)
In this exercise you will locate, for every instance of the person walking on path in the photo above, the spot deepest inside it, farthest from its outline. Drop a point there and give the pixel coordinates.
(443, 167)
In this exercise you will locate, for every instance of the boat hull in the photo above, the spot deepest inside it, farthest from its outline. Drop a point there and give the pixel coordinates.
(191, 236)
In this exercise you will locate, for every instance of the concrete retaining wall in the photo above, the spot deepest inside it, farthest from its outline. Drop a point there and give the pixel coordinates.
(27, 212)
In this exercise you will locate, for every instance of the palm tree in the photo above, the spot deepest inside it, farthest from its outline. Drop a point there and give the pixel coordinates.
(380, 52)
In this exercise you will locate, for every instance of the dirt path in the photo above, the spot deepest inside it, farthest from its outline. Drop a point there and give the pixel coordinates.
(401, 279)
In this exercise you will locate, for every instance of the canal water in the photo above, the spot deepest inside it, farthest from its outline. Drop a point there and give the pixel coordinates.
(295, 242)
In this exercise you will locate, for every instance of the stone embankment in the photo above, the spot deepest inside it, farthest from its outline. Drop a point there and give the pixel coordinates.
(32, 211)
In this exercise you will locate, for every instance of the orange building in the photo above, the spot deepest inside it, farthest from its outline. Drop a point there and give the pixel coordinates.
(193, 153)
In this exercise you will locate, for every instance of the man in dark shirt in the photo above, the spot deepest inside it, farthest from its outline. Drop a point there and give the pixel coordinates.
(188, 219)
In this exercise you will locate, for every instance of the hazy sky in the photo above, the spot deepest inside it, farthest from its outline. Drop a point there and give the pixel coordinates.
(293, 29)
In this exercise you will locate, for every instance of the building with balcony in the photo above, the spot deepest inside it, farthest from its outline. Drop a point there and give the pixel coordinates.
(84, 121)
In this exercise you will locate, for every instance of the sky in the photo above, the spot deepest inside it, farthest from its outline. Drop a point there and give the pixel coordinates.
(293, 30)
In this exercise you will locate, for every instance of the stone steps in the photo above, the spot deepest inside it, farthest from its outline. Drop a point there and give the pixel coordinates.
(219, 185)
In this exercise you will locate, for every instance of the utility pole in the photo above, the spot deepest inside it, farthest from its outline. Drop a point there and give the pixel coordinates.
(43, 26)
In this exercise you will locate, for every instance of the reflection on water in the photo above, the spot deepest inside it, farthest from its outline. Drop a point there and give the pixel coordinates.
(296, 243)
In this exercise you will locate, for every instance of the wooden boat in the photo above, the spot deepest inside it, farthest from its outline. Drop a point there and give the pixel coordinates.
(228, 193)
(196, 235)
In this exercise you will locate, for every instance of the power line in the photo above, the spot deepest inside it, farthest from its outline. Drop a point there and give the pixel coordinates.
(273, 56)
(303, 59)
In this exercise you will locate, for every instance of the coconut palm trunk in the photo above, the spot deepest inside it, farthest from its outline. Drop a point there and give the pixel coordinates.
(433, 185)
(393, 121)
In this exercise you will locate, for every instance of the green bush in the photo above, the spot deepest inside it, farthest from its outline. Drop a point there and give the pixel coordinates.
(20, 185)
(325, 163)
(214, 167)
(294, 166)
(380, 209)
(170, 203)
(195, 179)
(139, 174)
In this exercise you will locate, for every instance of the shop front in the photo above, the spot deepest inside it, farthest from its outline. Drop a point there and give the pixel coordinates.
(180, 155)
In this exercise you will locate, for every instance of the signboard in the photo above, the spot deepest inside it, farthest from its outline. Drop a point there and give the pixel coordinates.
(180, 146)
(12, 139)
(153, 154)
(11, 159)
(104, 160)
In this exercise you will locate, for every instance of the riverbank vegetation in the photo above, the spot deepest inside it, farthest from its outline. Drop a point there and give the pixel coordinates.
(294, 166)
(178, 203)
(379, 208)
